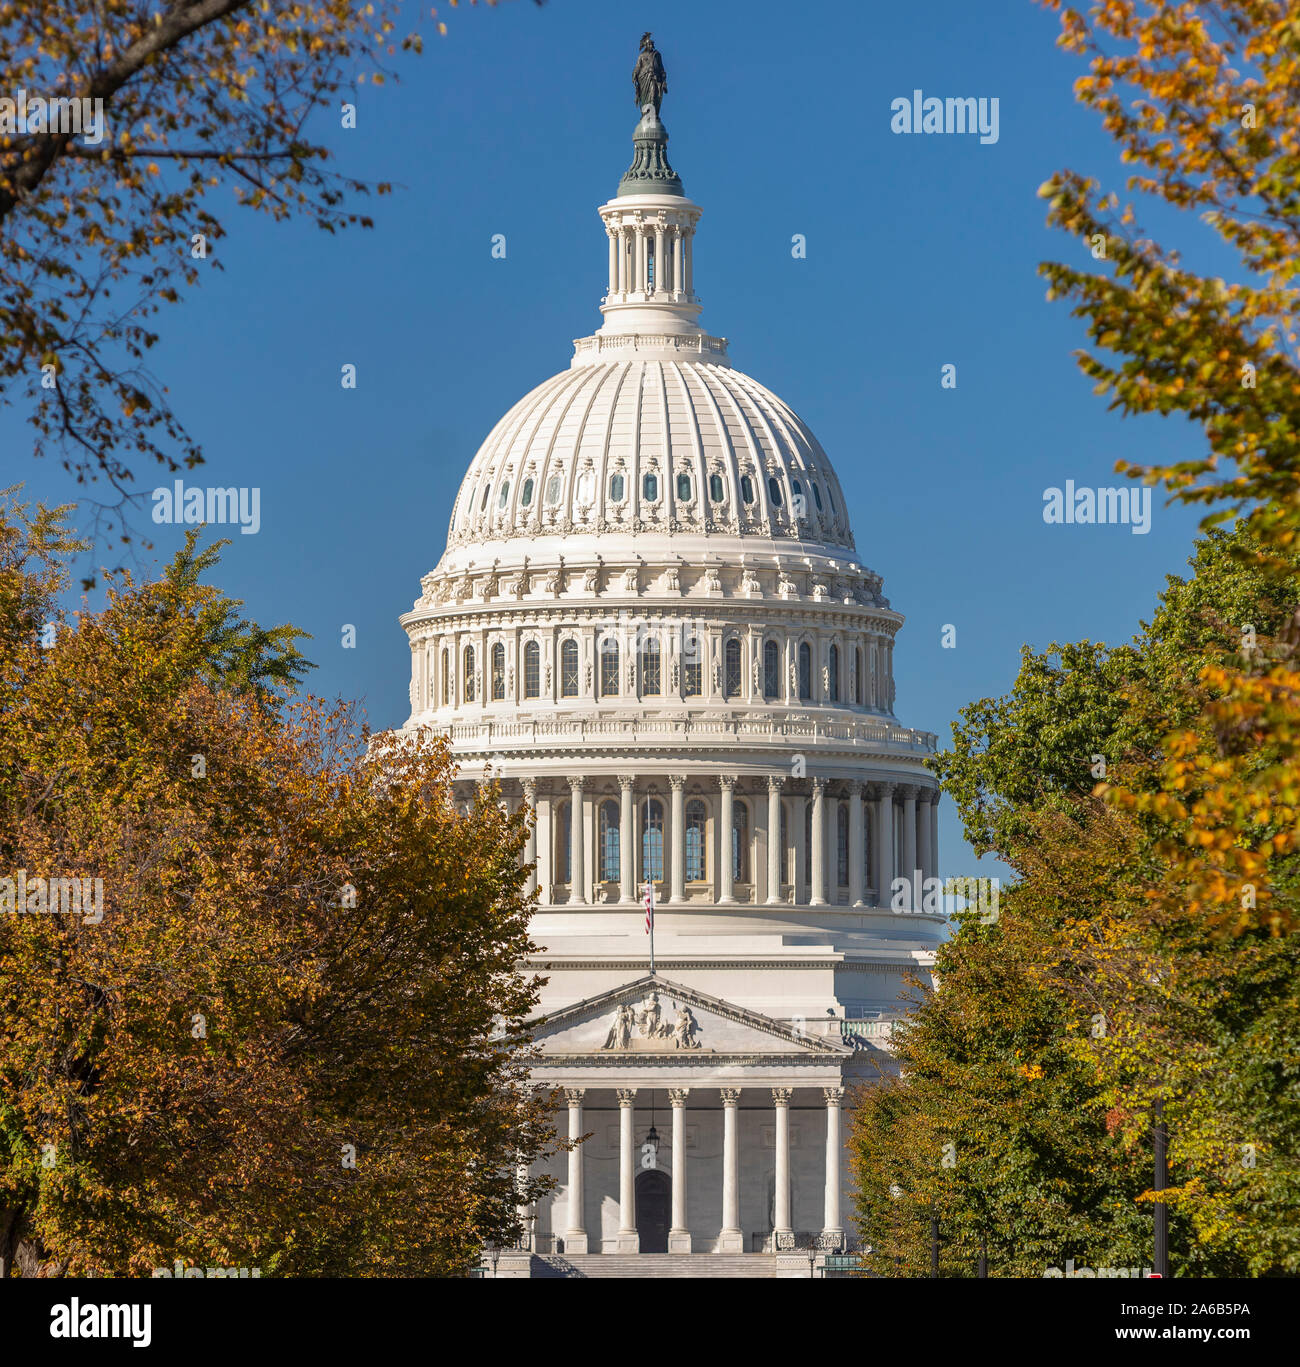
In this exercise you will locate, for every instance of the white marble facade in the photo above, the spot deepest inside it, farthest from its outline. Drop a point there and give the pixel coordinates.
(652, 625)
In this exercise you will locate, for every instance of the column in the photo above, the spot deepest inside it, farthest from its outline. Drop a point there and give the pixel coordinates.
(659, 258)
(575, 1237)
(798, 823)
(640, 283)
(523, 1209)
(689, 267)
(679, 1236)
(909, 843)
(781, 1217)
(774, 851)
(730, 1238)
(857, 845)
(934, 834)
(817, 874)
(677, 260)
(923, 860)
(885, 843)
(629, 1240)
(577, 893)
(626, 841)
(530, 845)
(545, 838)
(726, 884)
(832, 1230)
(678, 885)
(613, 260)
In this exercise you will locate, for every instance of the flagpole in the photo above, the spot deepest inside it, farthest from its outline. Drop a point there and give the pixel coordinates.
(649, 886)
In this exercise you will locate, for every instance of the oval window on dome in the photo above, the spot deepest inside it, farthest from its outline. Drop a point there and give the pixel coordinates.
(817, 497)
(586, 487)
(553, 490)
(830, 496)
(715, 488)
(774, 490)
(503, 495)
(650, 487)
(482, 503)
(684, 488)
(616, 488)
(747, 488)
(527, 496)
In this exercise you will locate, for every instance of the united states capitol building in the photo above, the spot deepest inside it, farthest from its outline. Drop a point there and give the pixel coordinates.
(652, 623)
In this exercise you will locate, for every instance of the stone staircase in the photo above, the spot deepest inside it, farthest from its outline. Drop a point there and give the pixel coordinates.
(667, 1265)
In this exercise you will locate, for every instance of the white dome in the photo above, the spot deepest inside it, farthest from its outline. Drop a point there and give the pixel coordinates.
(647, 447)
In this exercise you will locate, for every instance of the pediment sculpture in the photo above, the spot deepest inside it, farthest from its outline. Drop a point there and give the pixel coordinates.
(645, 1027)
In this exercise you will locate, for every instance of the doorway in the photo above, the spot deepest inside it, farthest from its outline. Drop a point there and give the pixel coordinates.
(653, 1199)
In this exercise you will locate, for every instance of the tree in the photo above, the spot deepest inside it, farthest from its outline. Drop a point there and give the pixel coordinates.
(294, 1040)
(99, 231)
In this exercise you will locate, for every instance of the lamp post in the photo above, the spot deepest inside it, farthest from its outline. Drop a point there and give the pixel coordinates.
(1159, 1143)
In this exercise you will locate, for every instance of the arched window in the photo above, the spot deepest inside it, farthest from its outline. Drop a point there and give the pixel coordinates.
(833, 669)
(527, 495)
(692, 663)
(805, 671)
(609, 668)
(831, 497)
(747, 488)
(553, 490)
(469, 673)
(771, 670)
(797, 500)
(498, 672)
(857, 675)
(774, 490)
(609, 842)
(696, 826)
(841, 844)
(716, 493)
(740, 843)
(684, 488)
(566, 845)
(532, 670)
(482, 503)
(817, 497)
(652, 842)
(446, 677)
(569, 669)
(731, 669)
(651, 668)
(616, 488)
(586, 486)
(650, 487)
(503, 495)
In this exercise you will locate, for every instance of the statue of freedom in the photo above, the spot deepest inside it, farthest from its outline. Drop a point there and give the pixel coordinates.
(649, 77)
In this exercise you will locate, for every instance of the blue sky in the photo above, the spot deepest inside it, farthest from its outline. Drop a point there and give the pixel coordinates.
(921, 251)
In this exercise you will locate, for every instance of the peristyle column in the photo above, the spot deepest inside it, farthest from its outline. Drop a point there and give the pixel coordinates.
(781, 1217)
(626, 841)
(857, 843)
(530, 845)
(909, 845)
(575, 1237)
(628, 1239)
(832, 1230)
(730, 1237)
(817, 874)
(774, 851)
(726, 882)
(577, 893)
(679, 1236)
(678, 784)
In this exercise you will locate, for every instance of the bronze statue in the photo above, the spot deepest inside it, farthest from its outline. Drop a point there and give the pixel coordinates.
(648, 77)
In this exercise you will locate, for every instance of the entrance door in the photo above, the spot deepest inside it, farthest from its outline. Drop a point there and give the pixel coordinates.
(653, 1201)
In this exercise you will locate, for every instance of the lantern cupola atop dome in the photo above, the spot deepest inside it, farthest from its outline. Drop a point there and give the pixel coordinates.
(650, 305)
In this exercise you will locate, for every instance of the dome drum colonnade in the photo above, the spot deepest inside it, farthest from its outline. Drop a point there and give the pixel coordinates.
(651, 614)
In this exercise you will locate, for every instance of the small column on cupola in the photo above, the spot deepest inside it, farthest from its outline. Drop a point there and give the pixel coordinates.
(650, 224)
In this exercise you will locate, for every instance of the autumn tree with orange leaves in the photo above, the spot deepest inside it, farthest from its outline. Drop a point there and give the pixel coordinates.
(1152, 934)
(294, 1039)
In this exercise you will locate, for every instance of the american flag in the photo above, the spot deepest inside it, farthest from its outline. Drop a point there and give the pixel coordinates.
(649, 907)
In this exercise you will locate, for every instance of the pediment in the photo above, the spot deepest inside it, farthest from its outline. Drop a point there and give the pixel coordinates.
(654, 1016)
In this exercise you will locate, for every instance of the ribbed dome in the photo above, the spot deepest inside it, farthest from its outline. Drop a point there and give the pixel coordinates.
(651, 445)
